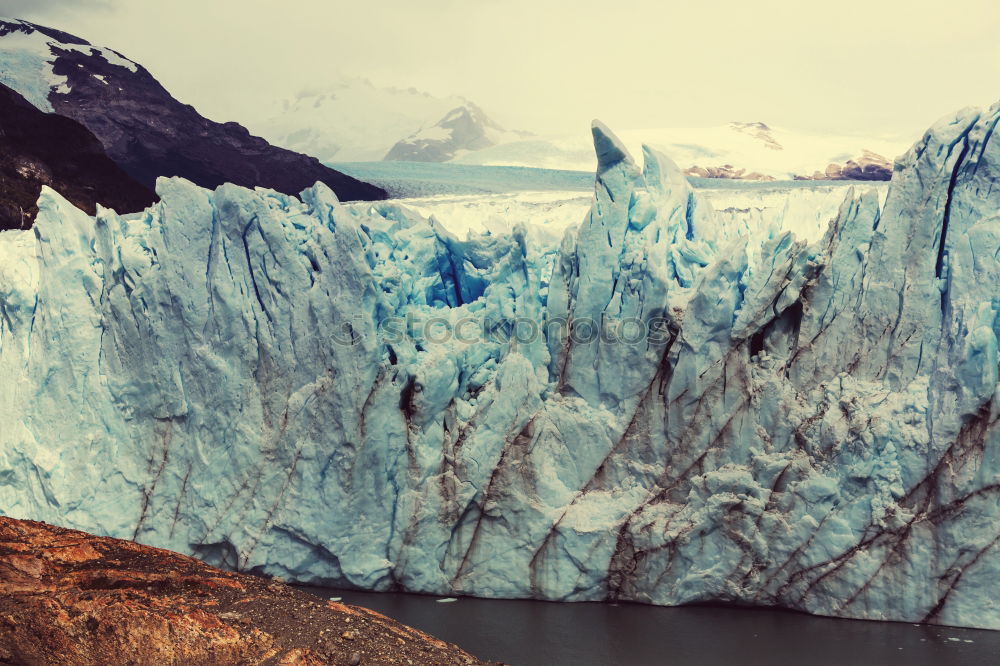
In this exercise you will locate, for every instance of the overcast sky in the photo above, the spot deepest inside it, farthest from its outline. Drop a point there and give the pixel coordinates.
(854, 66)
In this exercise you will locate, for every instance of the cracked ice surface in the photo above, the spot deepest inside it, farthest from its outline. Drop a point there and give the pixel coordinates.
(270, 384)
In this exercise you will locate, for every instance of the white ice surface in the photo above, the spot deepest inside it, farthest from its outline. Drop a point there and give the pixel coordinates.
(806, 211)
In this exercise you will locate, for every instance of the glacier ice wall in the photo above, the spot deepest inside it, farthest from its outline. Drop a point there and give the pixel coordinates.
(666, 406)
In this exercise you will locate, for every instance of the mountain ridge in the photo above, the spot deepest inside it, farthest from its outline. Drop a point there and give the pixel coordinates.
(142, 126)
(393, 123)
(352, 120)
(463, 129)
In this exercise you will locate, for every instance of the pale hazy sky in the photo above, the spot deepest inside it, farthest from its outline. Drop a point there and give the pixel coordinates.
(853, 66)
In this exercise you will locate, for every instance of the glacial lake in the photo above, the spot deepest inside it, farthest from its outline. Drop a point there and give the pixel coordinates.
(539, 633)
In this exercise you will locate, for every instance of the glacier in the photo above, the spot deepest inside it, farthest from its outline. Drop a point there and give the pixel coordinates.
(664, 403)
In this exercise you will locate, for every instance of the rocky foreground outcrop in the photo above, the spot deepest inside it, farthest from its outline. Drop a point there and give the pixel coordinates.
(68, 597)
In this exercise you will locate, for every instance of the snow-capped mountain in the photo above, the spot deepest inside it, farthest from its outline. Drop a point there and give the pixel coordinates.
(749, 151)
(666, 404)
(45, 149)
(141, 126)
(463, 130)
(352, 120)
(355, 121)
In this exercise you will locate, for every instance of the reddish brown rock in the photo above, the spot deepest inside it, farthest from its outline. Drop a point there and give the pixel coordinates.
(870, 166)
(68, 597)
(726, 171)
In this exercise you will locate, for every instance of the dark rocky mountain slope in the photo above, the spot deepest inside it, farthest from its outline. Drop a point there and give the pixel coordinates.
(39, 149)
(144, 128)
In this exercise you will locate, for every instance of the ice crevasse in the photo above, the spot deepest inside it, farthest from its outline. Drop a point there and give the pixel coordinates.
(279, 385)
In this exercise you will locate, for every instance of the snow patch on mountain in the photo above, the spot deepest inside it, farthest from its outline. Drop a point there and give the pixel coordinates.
(27, 55)
(26, 66)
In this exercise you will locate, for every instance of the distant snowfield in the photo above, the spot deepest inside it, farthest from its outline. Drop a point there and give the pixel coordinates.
(468, 199)
(773, 152)
(350, 119)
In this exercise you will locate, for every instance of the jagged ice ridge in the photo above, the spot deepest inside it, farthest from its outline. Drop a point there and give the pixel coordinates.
(270, 384)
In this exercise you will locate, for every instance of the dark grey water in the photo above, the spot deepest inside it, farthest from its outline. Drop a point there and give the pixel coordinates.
(538, 633)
